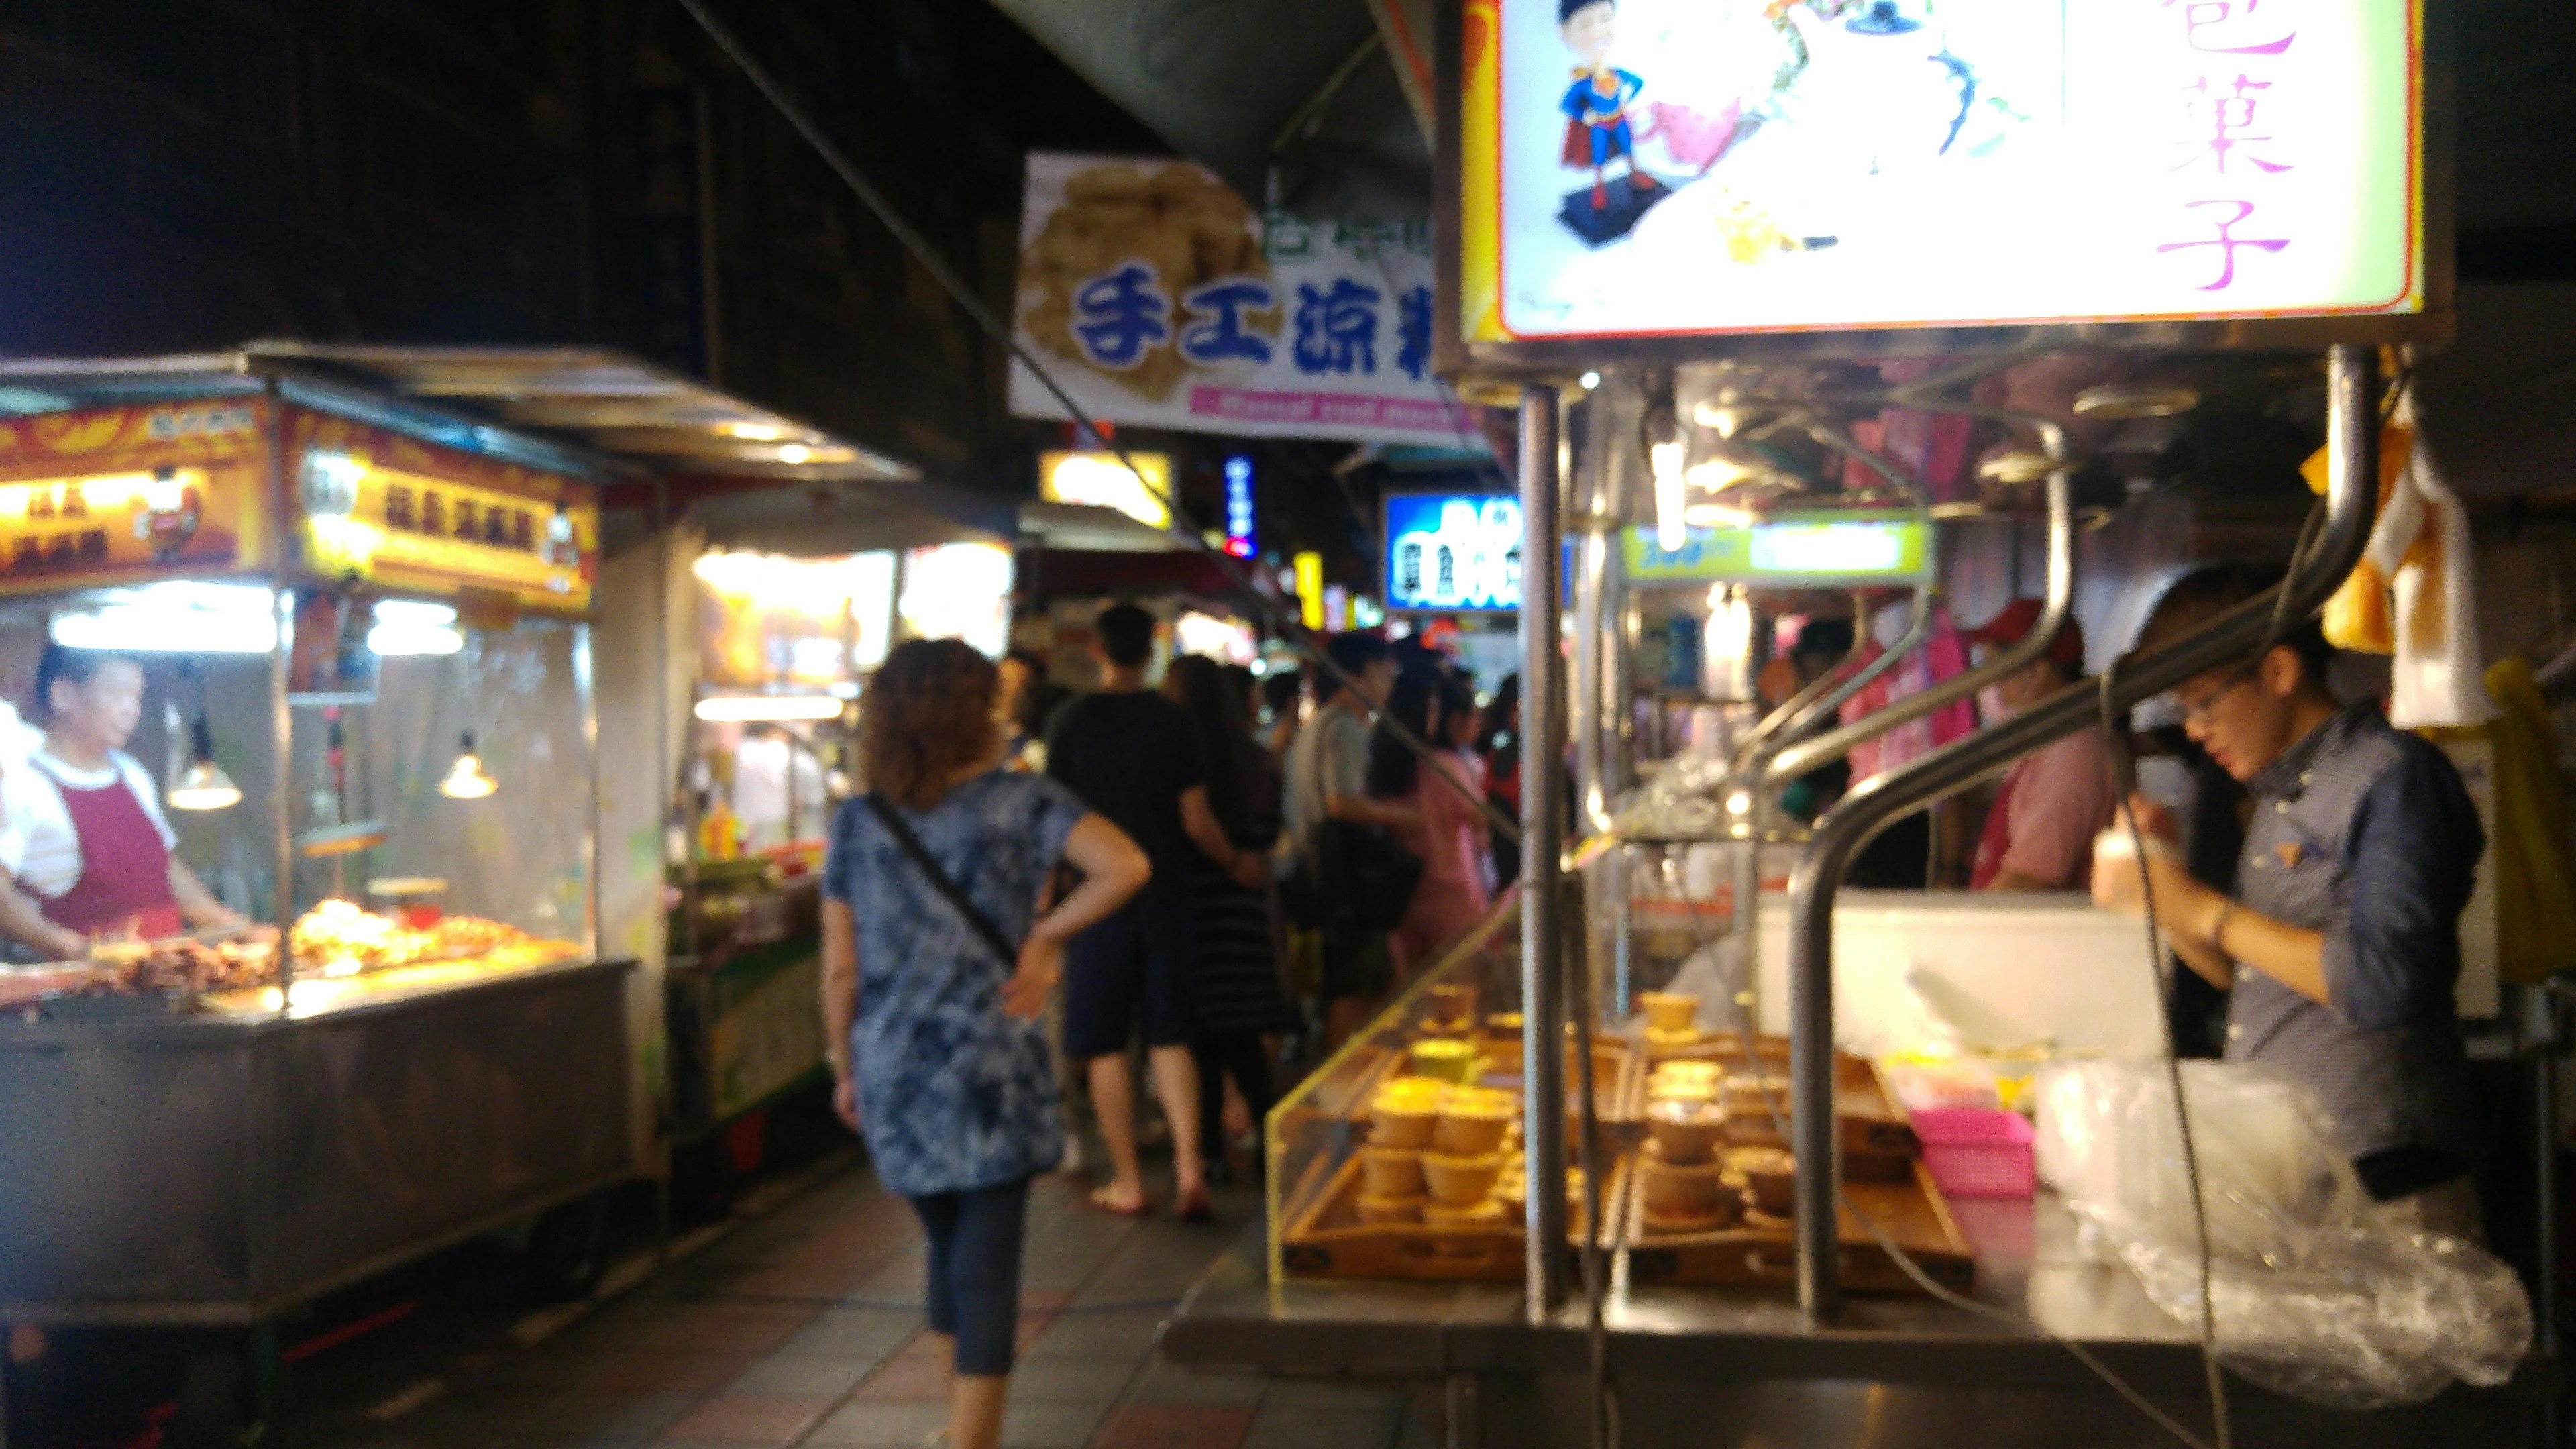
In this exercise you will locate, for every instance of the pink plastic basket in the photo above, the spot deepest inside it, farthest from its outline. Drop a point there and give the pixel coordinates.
(1976, 1152)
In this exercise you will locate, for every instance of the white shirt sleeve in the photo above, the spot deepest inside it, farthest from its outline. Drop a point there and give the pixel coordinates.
(139, 780)
(14, 816)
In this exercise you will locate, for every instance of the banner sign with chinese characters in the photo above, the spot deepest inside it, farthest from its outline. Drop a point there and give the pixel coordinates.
(386, 509)
(1157, 298)
(1674, 168)
(117, 495)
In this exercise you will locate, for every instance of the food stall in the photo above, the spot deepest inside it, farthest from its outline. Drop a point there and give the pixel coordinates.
(785, 600)
(1792, 1244)
(362, 635)
(781, 648)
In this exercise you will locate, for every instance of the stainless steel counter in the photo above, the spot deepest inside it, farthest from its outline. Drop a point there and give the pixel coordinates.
(214, 1168)
(1678, 1352)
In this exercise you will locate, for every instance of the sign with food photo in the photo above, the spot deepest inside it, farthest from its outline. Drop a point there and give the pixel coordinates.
(1654, 168)
(1155, 296)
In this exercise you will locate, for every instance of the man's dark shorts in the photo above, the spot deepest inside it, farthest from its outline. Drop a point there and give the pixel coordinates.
(1143, 959)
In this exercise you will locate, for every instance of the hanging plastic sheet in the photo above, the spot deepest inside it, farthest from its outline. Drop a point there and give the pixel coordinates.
(2312, 1298)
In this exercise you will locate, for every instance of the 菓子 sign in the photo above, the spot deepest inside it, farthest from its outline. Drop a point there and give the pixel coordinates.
(1677, 168)
(1156, 297)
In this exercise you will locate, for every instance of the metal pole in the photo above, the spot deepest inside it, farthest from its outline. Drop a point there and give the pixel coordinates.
(1542, 851)
(1623, 769)
(284, 507)
(2352, 473)
(2544, 1111)
(1592, 648)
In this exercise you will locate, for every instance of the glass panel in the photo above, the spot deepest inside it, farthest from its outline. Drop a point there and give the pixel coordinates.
(1316, 1129)
(519, 856)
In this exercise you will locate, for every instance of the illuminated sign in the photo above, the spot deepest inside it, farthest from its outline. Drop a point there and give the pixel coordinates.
(1672, 168)
(958, 591)
(1239, 539)
(1310, 589)
(112, 495)
(383, 508)
(1453, 551)
(366, 522)
(1805, 549)
(116, 524)
(1099, 480)
(768, 620)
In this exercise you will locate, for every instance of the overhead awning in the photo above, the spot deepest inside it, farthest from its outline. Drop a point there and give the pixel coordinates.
(1316, 86)
(588, 409)
(1083, 528)
(818, 520)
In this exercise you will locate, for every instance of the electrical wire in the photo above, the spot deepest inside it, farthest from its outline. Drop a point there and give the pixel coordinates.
(996, 327)
(2125, 773)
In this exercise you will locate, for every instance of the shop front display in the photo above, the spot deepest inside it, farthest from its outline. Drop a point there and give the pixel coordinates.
(303, 891)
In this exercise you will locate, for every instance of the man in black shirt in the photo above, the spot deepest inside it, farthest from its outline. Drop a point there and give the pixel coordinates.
(1135, 757)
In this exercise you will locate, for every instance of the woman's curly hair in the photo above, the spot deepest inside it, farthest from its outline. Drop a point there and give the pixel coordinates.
(928, 713)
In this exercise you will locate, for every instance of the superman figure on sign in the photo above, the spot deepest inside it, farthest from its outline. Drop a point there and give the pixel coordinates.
(1596, 123)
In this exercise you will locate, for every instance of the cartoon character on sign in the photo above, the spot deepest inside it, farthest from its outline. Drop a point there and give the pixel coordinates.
(1596, 104)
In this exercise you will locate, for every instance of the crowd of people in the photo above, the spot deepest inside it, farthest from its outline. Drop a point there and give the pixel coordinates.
(1041, 900)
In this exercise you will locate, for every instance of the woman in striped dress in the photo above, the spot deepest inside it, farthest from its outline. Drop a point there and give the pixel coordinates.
(1239, 999)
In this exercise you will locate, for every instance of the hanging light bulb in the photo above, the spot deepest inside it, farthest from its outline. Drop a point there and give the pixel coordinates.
(203, 785)
(467, 779)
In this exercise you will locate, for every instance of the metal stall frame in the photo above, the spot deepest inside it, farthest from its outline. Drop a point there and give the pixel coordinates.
(2352, 442)
(302, 1147)
(1513, 1359)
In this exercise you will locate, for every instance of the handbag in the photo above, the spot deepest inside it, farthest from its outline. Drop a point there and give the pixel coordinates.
(922, 860)
(1366, 880)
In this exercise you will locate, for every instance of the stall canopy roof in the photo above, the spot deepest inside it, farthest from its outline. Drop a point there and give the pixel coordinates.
(1083, 528)
(604, 411)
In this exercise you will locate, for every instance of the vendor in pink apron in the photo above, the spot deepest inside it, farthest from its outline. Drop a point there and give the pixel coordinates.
(2054, 800)
(85, 846)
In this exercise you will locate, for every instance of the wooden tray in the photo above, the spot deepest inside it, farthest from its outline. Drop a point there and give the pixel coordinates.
(1911, 1212)
(1878, 1142)
(1616, 1082)
(1328, 1240)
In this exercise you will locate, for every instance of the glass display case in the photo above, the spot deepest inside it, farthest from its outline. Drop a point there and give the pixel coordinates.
(1399, 1158)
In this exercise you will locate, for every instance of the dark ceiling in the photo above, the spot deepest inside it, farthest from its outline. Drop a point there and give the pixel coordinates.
(1222, 81)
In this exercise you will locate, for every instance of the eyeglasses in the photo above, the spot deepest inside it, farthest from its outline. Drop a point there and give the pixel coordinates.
(2196, 711)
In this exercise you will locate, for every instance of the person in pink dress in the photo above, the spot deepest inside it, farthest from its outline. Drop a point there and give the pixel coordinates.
(1456, 889)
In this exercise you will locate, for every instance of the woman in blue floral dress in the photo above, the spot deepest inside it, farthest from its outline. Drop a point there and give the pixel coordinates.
(938, 1055)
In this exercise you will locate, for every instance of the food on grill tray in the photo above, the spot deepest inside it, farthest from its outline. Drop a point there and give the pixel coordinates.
(178, 964)
(335, 939)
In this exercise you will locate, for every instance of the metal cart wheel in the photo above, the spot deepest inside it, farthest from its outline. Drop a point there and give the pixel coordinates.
(567, 1249)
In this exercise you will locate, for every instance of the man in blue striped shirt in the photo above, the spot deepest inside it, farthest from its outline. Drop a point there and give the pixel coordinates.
(2340, 944)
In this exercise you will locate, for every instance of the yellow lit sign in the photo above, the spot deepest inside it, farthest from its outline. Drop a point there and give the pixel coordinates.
(1310, 589)
(766, 620)
(59, 529)
(1099, 480)
(385, 525)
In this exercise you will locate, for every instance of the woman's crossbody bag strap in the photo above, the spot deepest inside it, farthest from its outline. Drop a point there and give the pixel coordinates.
(923, 861)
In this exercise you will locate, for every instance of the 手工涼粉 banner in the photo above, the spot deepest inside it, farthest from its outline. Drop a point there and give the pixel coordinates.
(1156, 297)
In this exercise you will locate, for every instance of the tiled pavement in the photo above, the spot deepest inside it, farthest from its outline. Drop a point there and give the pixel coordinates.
(804, 1327)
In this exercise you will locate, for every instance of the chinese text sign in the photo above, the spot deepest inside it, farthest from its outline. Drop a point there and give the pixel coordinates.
(1154, 296)
(1671, 167)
